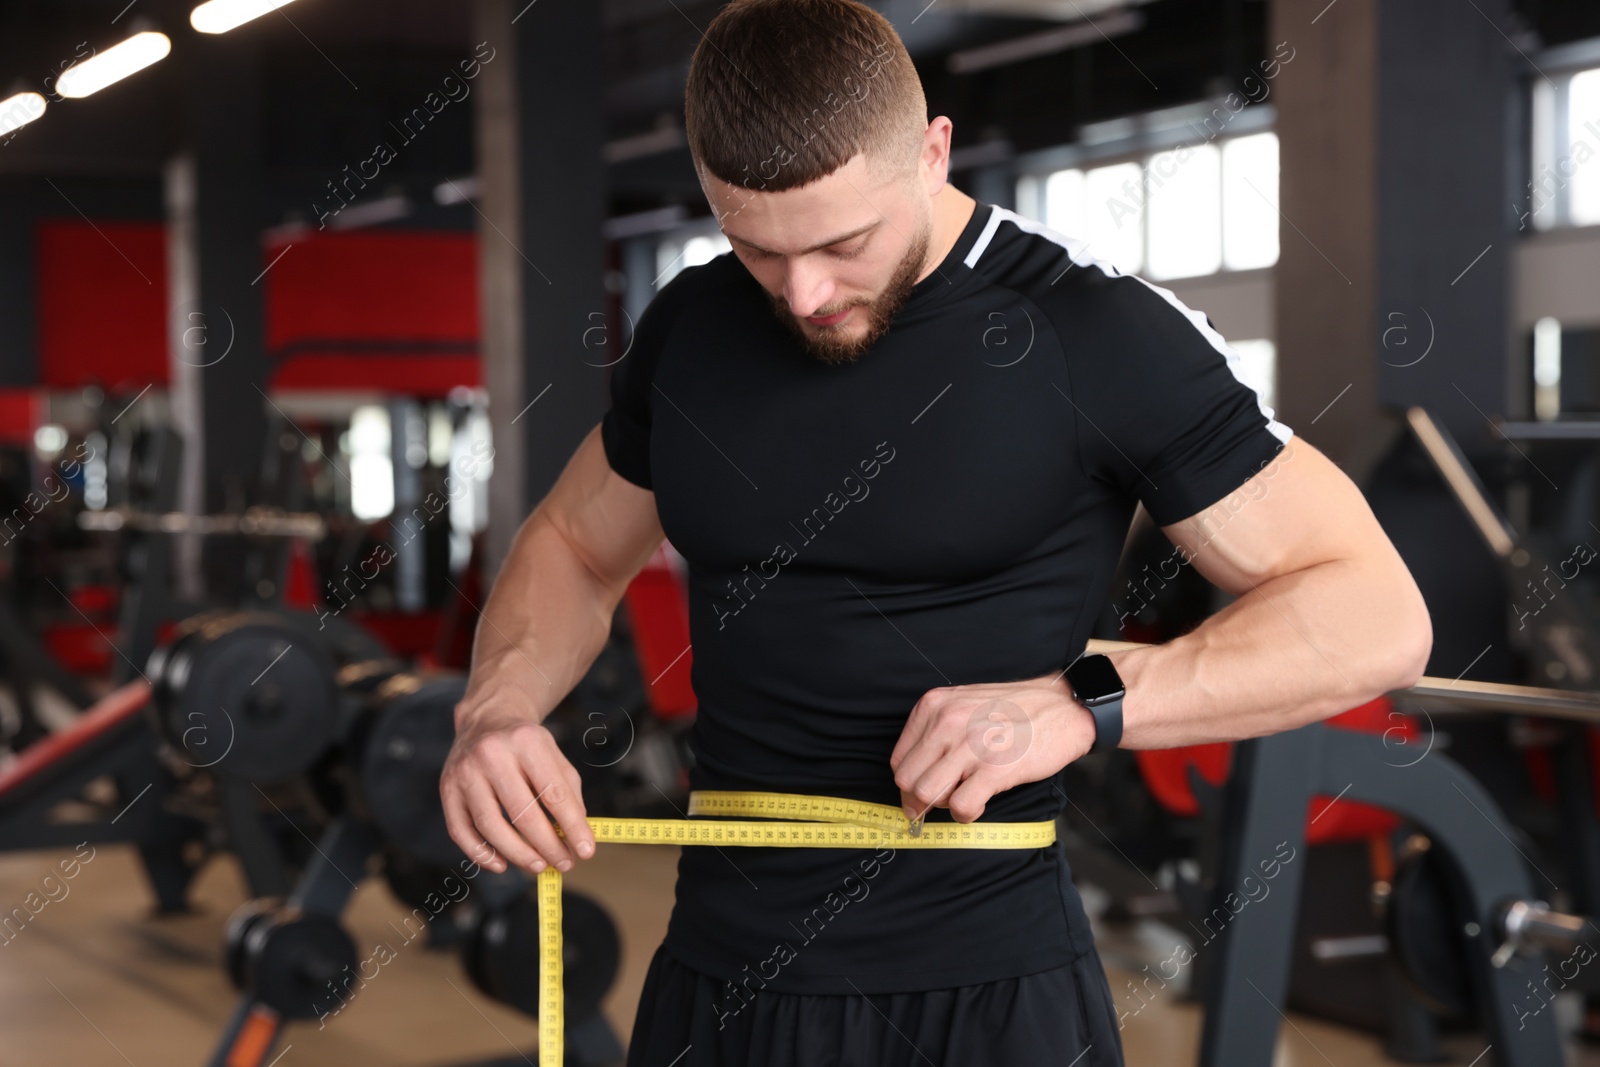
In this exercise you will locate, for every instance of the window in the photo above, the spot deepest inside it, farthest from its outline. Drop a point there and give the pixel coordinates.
(371, 468)
(1180, 213)
(1064, 198)
(1113, 216)
(1258, 366)
(1583, 117)
(1564, 184)
(1250, 202)
(1547, 368)
(687, 248)
(1184, 191)
(698, 250)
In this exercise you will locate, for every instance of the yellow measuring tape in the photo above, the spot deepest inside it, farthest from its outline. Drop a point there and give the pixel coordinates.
(819, 822)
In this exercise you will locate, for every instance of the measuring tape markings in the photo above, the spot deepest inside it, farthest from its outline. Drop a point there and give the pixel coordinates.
(820, 822)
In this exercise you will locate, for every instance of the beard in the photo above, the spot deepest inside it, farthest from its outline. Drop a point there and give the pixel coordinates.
(830, 344)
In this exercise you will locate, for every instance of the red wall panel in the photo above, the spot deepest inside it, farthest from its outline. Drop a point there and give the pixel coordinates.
(400, 286)
(21, 412)
(395, 310)
(384, 309)
(102, 295)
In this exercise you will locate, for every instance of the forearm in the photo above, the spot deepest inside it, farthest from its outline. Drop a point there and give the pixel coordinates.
(545, 621)
(1296, 649)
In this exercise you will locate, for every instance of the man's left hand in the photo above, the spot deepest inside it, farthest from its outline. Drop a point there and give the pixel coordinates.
(962, 744)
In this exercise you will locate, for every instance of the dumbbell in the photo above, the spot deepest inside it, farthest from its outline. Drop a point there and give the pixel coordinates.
(501, 951)
(289, 959)
(245, 694)
(400, 734)
(429, 890)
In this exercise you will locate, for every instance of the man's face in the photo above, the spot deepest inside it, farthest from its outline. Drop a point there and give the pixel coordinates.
(836, 258)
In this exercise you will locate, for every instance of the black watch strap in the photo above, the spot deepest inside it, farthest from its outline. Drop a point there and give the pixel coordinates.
(1107, 725)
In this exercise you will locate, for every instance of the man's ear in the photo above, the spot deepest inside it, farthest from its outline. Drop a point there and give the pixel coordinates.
(935, 159)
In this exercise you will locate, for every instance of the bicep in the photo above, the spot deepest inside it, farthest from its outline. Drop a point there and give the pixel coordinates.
(610, 523)
(1298, 511)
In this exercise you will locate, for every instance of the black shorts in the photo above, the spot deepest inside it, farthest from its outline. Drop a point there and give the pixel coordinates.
(1058, 1018)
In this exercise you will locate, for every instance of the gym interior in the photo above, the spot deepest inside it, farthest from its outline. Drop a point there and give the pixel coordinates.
(305, 306)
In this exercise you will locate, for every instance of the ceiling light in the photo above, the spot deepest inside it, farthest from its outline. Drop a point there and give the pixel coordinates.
(1044, 43)
(114, 64)
(19, 110)
(220, 16)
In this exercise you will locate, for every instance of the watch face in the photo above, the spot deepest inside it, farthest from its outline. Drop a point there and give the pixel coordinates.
(1094, 677)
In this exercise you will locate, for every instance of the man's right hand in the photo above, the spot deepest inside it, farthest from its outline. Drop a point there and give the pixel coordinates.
(508, 761)
(579, 549)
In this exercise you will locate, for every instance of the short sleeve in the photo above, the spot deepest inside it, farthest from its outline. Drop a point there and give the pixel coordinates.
(1164, 412)
(625, 427)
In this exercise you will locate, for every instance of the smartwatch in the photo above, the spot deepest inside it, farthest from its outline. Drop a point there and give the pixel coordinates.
(1097, 686)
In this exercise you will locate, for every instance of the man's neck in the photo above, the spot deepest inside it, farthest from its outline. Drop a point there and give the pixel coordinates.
(952, 210)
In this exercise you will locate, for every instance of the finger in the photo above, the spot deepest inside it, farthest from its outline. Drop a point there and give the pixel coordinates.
(916, 726)
(914, 809)
(484, 807)
(522, 806)
(581, 837)
(561, 793)
(969, 799)
(929, 749)
(458, 822)
(935, 785)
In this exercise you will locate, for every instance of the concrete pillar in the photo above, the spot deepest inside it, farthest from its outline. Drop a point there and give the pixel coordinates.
(1446, 125)
(216, 335)
(540, 132)
(1326, 97)
(1393, 122)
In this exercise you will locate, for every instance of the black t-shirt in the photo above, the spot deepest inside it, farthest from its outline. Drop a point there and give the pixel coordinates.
(946, 510)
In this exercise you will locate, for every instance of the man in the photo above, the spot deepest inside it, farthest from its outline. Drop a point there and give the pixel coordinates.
(899, 437)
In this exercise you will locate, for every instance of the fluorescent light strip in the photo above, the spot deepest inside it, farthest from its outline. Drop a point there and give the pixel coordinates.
(114, 64)
(220, 16)
(371, 212)
(19, 110)
(1016, 49)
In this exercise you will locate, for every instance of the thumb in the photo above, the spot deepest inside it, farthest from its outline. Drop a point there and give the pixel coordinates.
(912, 807)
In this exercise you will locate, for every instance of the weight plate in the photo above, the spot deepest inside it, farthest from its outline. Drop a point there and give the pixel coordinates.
(402, 753)
(299, 963)
(502, 954)
(346, 641)
(1426, 933)
(243, 920)
(418, 884)
(249, 697)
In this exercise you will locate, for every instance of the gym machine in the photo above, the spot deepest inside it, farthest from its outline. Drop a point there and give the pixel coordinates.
(244, 701)
(1465, 922)
(112, 739)
(246, 697)
(247, 703)
(1552, 619)
(1348, 953)
(28, 665)
(293, 960)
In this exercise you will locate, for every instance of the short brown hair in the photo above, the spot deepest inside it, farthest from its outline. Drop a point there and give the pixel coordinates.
(784, 92)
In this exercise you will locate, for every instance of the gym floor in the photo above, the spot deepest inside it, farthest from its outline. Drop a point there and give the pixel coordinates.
(93, 979)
